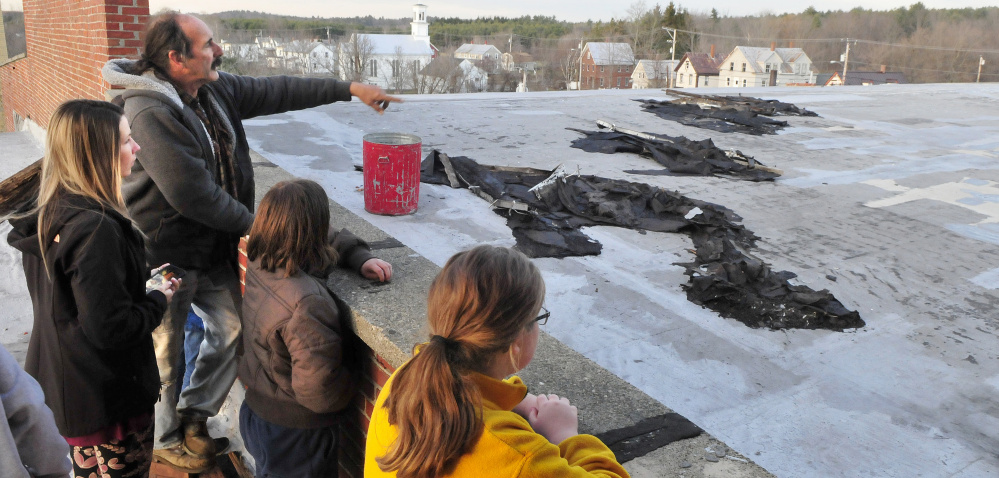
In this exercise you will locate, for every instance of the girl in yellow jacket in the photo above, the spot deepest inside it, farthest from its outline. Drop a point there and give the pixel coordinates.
(449, 411)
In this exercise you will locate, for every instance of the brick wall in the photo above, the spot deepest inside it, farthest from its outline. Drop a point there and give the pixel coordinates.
(375, 372)
(68, 42)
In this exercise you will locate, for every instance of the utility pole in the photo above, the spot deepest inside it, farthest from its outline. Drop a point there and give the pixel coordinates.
(981, 61)
(579, 86)
(671, 80)
(846, 60)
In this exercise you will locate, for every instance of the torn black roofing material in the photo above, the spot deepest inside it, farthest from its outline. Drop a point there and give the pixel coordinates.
(678, 154)
(724, 276)
(725, 120)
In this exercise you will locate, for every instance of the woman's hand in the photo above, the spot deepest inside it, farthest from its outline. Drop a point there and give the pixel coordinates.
(554, 418)
(169, 288)
(377, 269)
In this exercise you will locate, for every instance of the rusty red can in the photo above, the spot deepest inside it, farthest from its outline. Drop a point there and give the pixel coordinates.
(391, 173)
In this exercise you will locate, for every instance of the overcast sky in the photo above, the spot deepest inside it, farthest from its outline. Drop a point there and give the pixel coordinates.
(572, 10)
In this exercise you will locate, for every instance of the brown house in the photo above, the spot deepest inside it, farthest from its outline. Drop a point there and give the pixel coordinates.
(606, 65)
(697, 70)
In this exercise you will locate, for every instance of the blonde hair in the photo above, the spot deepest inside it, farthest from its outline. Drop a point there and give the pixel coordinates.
(82, 149)
(479, 304)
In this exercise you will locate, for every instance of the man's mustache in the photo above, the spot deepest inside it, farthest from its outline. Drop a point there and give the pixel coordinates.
(216, 62)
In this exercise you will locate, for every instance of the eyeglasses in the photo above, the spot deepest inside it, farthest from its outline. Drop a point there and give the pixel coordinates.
(543, 318)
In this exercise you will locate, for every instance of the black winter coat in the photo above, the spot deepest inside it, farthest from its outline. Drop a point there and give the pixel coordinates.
(91, 346)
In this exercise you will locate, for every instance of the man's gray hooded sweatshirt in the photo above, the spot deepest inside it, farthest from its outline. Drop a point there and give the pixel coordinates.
(172, 194)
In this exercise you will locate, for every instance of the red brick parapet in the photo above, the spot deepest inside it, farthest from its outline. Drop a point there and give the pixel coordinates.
(68, 42)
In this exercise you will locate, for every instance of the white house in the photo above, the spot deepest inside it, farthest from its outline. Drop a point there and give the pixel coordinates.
(476, 79)
(244, 52)
(754, 66)
(449, 75)
(322, 60)
(652, 73)
(389, 61)
(477, 53)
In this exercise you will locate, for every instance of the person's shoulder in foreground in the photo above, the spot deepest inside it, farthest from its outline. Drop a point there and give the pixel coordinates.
(30, 444)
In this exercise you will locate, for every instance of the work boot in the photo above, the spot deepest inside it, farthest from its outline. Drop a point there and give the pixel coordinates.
(221, 445)
(196, 439)
(177, 458)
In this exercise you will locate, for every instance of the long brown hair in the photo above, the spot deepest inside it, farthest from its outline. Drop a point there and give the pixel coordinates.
(478, 305)
(290, 229)
(82, 148)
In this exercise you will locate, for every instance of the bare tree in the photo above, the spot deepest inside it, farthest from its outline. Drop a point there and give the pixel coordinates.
(395, 76)
(355, 55)
(567, 60)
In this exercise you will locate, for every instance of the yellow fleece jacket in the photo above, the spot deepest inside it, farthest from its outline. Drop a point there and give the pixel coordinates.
(508, 447)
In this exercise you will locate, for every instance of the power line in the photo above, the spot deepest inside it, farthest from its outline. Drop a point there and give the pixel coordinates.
(924, 69)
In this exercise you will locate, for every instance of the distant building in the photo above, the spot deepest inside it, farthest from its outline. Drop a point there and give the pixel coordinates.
(607, 65)
(754, 66)
(476, 53)
(653, 73)
(866, 78)
(388, 61)
(518, 61)
(451, 75)
(322, 60)
(697, 70)
(242, 52)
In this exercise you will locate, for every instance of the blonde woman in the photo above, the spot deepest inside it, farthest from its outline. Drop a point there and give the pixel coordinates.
(451, 411)
(91, 347)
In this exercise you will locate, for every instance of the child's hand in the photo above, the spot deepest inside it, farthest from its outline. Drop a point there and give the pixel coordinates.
(554, 418)
(526, 406)
(377, 269)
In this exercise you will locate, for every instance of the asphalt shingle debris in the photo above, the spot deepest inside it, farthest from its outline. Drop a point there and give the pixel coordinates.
(680, 156)
(725, 120)
(546, 209)
(748, 103)
(648, 435)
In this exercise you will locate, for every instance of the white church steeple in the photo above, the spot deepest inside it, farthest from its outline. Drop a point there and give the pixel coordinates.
(421, 29)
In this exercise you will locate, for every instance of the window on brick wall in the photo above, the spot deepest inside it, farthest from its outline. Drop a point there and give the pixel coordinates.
(601, 68)
(601, 82)
(13, 26)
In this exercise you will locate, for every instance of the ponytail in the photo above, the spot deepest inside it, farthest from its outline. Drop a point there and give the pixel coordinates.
(437, 410)
(478, 305)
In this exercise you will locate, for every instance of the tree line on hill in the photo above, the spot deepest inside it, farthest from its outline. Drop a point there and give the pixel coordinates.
(928, 45)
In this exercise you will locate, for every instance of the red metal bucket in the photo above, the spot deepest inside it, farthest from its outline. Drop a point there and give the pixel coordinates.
(391, 173)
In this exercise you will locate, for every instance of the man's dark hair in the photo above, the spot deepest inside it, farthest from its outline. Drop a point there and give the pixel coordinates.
(163, 34)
